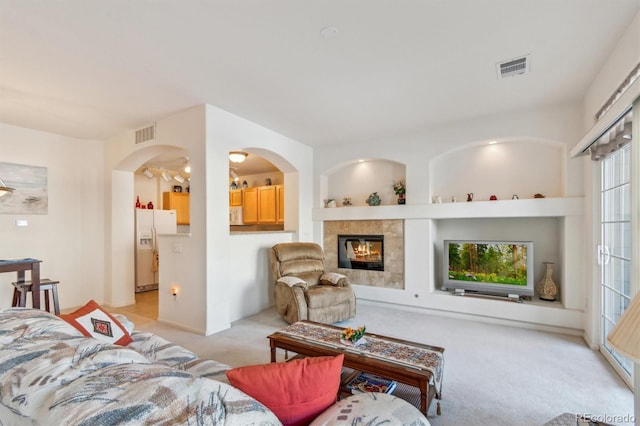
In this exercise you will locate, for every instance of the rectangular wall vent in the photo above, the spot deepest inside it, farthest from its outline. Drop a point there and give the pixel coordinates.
(147, 134)
(513, 67)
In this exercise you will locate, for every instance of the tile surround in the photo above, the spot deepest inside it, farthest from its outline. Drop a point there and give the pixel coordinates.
(393, 231)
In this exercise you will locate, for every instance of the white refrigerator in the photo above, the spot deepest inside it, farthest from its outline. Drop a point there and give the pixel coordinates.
(150, 223)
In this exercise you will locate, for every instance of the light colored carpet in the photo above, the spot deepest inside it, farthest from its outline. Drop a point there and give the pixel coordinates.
(493, 375)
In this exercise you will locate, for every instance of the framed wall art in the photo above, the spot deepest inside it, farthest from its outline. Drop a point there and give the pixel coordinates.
(30, 192)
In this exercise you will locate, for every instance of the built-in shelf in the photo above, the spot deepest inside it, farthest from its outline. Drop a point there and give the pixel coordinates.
(426, 225)
(535, 207)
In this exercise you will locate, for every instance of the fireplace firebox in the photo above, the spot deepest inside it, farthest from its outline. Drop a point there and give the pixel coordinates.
(361, 252)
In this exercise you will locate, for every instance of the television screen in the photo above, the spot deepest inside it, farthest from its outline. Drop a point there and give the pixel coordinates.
(497, 267)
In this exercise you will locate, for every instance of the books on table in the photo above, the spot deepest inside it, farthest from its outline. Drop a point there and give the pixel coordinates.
(365, 382)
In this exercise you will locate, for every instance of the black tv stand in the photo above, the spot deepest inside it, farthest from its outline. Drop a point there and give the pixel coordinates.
(507, 297)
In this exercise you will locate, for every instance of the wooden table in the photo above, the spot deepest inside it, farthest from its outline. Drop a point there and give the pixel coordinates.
(314, 339)
(20, 266)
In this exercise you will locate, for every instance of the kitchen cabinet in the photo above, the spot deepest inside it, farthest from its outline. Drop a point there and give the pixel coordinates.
(178, 201)
(280, 200)
(250, 206)
(267, 205)
(263, 205)
(235, 197)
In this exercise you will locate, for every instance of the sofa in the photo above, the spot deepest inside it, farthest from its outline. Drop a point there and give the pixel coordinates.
(305, 290)
(52, 373)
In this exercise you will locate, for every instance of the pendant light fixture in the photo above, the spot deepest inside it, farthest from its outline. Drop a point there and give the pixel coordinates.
(187, 165)
(147, 172)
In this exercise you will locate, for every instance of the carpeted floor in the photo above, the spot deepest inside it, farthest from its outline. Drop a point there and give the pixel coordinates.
(494, 375)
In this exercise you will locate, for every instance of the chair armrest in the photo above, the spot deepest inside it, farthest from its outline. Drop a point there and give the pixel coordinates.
(333, 278)
(293, 282)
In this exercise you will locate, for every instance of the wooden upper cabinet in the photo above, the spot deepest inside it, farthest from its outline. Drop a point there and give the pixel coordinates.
(262, 204)
(280, 200)
(178, 201)
(235, 197)
(267, 205)
(250, 206)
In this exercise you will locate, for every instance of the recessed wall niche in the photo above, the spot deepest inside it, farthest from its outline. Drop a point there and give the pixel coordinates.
(503, 169)
(358, 180)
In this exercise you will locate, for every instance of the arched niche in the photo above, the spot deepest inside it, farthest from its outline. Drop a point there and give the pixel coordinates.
(503, 168)
(357, 179)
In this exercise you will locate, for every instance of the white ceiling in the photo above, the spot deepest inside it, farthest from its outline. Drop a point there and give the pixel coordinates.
(93, 69)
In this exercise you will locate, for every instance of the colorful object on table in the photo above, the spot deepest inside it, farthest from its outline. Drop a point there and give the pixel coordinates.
(353, 335)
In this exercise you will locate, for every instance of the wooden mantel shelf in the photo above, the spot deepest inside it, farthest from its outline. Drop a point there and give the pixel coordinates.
(534, 207)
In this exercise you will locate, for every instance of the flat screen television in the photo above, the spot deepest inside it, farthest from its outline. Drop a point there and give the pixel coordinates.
(491, 267)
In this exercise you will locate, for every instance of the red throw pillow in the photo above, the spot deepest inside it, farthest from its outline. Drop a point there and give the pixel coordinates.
(296, 391)
(93, 321)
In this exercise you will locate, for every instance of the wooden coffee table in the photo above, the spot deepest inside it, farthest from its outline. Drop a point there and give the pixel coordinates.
(406, 362)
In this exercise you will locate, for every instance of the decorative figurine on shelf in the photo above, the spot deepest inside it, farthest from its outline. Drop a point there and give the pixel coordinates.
(331, 203)
(400, 188)
(538, 195)
(493, 198)
(137, 202)
(267, 181)
(470, 196)
(374, 199)
(346, 202)
(150, 205)
(515, 197)
(245, 184)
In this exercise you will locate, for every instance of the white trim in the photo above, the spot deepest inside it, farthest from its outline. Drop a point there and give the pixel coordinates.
(617, 111)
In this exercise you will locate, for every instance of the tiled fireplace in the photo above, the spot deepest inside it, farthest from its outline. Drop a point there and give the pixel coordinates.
(372, 251)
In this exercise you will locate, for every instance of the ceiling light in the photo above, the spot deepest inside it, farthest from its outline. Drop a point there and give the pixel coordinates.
(237, 156)
(4, 189)
(234, 175)
(147, 172)
(187, 165)
(166, 176)
(493, 142)
(179, 178)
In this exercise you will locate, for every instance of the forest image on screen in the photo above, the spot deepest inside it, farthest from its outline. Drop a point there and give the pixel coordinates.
(488, 263)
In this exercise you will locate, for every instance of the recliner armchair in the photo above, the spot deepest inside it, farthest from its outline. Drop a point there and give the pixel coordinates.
(303, 290)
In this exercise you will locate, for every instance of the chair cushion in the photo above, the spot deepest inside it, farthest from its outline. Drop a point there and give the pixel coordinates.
(301, 266)
(321, 296)
(296, 391)
(286, 252)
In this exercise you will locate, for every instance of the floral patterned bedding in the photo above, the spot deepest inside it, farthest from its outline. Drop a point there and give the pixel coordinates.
(51, 374)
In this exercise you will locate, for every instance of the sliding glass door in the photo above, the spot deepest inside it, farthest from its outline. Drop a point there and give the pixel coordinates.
(615, 247)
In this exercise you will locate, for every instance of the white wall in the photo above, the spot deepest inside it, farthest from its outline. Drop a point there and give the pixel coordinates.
(203, 268)
(252, 288)
(69, 239)
(532, 153)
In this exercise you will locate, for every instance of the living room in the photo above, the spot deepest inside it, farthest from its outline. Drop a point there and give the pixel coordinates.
(84, 240)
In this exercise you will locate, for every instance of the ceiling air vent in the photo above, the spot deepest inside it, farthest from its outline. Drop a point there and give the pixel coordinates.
(513, 67)
(147, 134)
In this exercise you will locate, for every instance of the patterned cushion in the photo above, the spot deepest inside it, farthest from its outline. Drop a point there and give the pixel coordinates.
(93, 321)
(371, 408)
